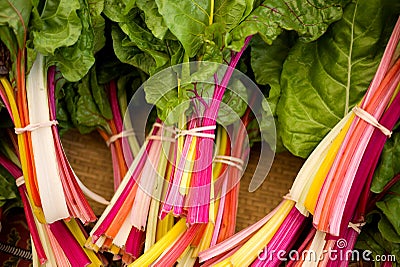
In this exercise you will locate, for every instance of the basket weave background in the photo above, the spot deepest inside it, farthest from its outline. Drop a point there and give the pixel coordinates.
(91, 160)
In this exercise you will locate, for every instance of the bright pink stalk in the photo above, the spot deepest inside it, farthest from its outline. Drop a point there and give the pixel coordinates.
(370, 160)
(116, 172)
(72, 249)
(218, 220)
(135, 243)
(351, 155)
(198, 207)
(174, 200)
(303, 246)
(237, 239)
(345, 253)
(283, 240)
(16, 173)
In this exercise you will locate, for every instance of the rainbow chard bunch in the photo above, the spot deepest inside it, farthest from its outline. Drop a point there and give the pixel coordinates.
(45, 42)
(53, 244)
(333, 184)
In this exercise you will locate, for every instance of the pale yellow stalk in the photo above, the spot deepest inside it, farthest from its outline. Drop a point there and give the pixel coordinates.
(310, 199)
(250, 250)
(160, 246)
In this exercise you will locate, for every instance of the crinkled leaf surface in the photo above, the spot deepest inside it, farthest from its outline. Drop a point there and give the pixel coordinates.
(372, 239)
(15, 14)
(57, 25)
(267, 62)
(188, 19)
(309, 19)
(153, 19)
(389, 164)
(127, 52)
(85, 114)
(321, 81)
(100, 96)
(75, 61)
(390, 207)
(96, 8)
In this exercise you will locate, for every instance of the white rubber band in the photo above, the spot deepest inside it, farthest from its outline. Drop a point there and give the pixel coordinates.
(20, 181)
(163, 127)
(198, 132)
(356, 226)
(229, 160)
(35, 126)
(161, 138)
(362, 114)
(115, 137)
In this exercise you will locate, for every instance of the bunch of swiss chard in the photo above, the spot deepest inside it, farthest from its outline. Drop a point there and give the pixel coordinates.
(90, 57)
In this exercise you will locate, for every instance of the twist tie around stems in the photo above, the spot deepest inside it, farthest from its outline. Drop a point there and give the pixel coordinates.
(115, 137)
(197, 132)
(231, 161)
(34, 126)
(364, 115)
(20, 181)
(356, 226)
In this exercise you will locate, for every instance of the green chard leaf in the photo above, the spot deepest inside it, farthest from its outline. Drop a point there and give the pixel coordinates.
(14, 15)
(310, 19)
(154, 21)
(266, 63)
(390, 207)
(69, 33)
(14, 20)
(161, 90)
(146, 42)
(98, 24)
(187, 20)
(8, 189)
(321, 81)
(127, 52)
(86, 114)
(57, 25)
(190, 21)
(100, 96)
(373, 237)
(389, 164)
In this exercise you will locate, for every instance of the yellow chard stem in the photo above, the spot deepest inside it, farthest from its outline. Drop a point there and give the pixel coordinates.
(160, 246)
(80, 237)
(250, 250)
(21, 146)
(312, 196)
(211, 18)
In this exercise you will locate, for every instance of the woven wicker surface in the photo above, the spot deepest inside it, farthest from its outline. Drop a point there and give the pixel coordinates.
(91, 160)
